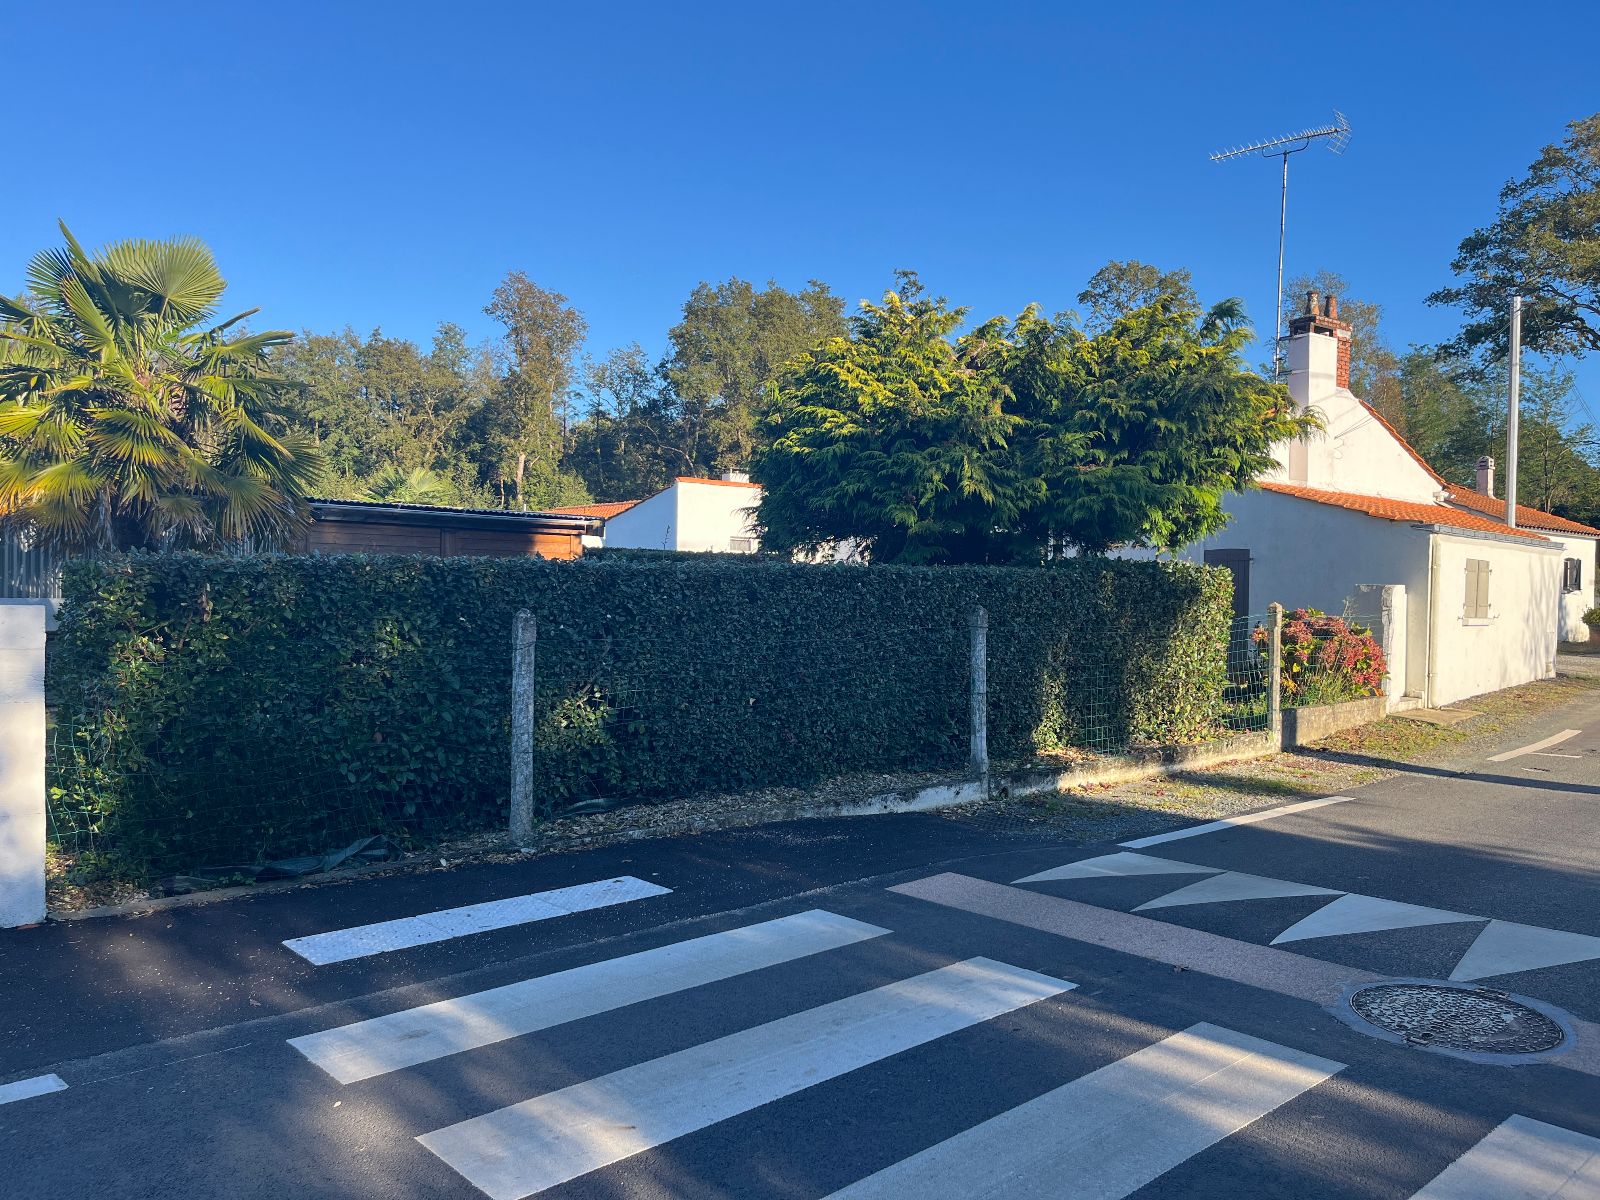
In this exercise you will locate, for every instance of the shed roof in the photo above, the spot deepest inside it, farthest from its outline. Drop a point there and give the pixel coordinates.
(371, 512)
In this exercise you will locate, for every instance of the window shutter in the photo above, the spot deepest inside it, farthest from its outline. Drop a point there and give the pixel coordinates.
(1476, 607)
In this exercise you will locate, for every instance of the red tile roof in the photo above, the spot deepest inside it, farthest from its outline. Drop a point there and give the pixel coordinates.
(1527, 518)
(609, 509)
(1399, 510)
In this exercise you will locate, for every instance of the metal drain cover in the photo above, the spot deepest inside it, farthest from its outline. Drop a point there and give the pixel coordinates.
(1474, 1020)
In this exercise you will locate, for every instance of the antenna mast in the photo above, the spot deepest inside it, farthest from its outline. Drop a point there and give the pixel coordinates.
(1338, 135)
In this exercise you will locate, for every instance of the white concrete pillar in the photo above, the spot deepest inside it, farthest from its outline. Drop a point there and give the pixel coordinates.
(1387, 603)
(22, 824)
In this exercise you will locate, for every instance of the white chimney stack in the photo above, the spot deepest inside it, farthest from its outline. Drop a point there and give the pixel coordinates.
(1486, 476)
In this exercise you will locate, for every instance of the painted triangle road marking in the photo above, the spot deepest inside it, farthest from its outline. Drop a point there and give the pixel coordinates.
(1525, 1159)
(1504, 948)
(1235, 885)
(1110, 866)
(1366, 914)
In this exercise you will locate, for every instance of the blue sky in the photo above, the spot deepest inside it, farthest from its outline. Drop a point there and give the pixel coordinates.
(385, 164)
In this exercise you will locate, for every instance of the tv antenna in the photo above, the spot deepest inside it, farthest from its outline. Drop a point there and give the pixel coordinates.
(1337, 136)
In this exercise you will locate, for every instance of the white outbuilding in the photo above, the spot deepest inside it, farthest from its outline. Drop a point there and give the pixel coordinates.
(1353, 519)
(692, 513)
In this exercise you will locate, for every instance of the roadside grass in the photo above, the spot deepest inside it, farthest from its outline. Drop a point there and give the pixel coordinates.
(1346, 760)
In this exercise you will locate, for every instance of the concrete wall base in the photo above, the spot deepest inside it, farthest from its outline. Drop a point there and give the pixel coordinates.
(1302, 726)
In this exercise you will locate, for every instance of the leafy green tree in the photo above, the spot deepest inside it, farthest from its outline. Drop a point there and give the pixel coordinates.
(1134, 436)
(1544, 244)
(731, 343)
(891, 439)
(128, 419)
(1450, 414)
(1555, 453)
(1019, 440)
(385, 406)
(1118, 288)
(528, 417)
(625, 447)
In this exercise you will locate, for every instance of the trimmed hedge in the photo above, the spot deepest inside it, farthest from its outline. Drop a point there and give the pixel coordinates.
(214, 710)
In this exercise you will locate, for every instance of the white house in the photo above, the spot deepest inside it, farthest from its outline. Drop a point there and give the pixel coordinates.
(1577, 542)
(691, 514)
(1473, 604)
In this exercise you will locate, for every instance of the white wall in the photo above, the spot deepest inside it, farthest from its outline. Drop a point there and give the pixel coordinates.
(1308, 555)
(1572, 605)
(22, 729)
(692, 514)
(651, 524)
(1518, 641)
(711, 513)
(1353, 452)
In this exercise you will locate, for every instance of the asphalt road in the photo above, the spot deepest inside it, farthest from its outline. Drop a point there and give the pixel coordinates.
(878, 1007)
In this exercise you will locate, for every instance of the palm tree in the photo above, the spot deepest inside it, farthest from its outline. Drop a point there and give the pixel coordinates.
(128, 421)
(391, 485)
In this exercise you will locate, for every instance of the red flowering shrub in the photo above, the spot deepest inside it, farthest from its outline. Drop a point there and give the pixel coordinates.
(1327, 659)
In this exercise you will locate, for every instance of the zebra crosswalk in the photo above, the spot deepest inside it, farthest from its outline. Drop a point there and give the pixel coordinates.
(529, 1147)
(1105, 1128)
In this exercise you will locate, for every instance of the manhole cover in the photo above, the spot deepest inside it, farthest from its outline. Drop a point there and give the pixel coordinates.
(1476, 1020)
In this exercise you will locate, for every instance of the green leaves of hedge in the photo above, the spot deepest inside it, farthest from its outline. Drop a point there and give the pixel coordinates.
(241, 708)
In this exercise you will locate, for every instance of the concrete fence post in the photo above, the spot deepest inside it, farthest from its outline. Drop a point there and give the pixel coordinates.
(1275, 674)
(980, 696)
(524, 639)
(22, 748)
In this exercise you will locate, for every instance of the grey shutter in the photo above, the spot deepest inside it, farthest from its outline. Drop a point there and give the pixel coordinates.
(1476, 607)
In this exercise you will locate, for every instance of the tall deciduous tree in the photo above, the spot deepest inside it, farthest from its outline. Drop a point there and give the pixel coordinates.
(532, 412)
(1118, 288)
(626, 446)
(384, 407)
(1544, 243)
(128, 419)
(732, 341)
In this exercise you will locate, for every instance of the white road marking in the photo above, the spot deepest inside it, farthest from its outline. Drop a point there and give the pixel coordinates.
(418, 1035)
(1108, 1134)
(403, 933)
(1522, 1159)
(1548, 754)
(539, 1143)
(1235, 885)
(1535, 747)
(1504, 948)
(25, 1089)
(1108, 866)
(1231, 822)
(1366, 914)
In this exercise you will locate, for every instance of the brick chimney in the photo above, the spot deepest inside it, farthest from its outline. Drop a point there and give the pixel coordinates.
(1321, 317)
(1486, 476)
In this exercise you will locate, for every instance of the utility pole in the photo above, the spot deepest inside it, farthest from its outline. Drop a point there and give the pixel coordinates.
(1513, 407)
